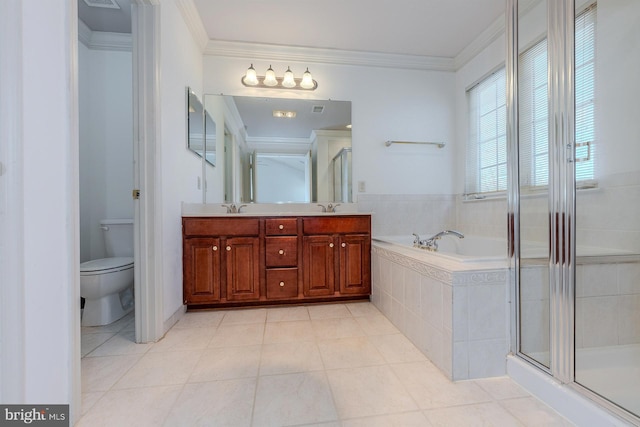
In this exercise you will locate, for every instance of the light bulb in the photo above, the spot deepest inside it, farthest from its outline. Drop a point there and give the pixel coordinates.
(270, 77)
(307, 80)
(288, 80)
(250, 79)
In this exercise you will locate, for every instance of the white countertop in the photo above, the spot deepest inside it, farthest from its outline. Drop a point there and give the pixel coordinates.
(268, 209)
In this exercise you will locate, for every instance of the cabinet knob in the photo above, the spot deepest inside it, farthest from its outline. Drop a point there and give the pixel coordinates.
(330, 245)
(215, 248)
(228, 248)
(344, 245)
(281, 227)
(281, 251)
(281, 284)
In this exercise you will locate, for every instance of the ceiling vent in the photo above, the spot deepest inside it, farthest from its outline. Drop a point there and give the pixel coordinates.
(109, 4)
(317, 109)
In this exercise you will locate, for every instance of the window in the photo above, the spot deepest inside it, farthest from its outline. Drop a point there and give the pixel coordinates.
(486, 147)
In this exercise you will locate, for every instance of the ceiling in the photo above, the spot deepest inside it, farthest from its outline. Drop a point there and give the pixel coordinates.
(432, 28)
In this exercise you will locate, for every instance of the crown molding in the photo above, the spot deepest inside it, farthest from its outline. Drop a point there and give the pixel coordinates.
(257, 51)
(194, 22)
(488, 36)
(98, 40)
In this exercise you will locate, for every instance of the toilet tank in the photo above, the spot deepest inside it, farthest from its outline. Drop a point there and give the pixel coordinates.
(118, 237)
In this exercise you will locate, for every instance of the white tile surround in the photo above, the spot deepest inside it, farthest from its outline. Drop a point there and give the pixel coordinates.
(338, 365)
(458, 319)
(607, 306)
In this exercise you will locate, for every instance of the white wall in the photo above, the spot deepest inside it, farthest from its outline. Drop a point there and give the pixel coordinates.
(386, 104)
(181, 64)
(106, 143)
(42, 318)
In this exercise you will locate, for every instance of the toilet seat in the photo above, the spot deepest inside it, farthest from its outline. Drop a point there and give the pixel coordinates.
(105, 265)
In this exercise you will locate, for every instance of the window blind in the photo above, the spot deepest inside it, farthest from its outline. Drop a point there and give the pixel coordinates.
(533, 107)
(585, 86)
(487, 144)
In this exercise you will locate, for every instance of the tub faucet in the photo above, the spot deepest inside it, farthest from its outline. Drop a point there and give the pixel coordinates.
(432, 242)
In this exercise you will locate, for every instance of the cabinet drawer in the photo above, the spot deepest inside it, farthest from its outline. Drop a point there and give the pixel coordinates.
(336, 224)
(281, 226)
(282, 283)
(221, 226)
(281, 251)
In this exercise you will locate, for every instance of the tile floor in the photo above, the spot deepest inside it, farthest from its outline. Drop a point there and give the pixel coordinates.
(322, 365)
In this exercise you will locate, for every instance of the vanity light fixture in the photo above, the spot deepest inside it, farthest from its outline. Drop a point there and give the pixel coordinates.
(269, 80)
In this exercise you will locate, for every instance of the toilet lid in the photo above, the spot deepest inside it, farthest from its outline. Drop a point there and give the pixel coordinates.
(96, 265)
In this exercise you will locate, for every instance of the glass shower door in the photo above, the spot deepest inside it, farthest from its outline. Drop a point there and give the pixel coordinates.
(533, 179)
(607, 328)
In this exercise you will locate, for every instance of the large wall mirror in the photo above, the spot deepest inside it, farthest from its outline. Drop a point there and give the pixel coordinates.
(201, 129)
(281, 150)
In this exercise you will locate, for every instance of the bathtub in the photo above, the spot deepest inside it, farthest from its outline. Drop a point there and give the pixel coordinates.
(452, 303)
(468, 250)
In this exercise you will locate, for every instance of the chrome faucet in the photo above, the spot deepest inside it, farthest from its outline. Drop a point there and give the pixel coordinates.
(431, 243)
(232, 208)
(329, 208)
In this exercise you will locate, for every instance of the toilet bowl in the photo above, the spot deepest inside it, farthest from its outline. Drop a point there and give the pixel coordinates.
(107, 286)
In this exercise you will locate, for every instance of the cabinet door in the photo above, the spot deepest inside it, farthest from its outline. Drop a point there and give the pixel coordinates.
(201, 270)
(242, 263)
(355, 264)
(318, 254)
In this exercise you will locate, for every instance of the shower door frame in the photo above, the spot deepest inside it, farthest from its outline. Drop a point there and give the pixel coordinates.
(561, 199)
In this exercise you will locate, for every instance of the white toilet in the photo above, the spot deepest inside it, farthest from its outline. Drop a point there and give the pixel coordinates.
(107, 284)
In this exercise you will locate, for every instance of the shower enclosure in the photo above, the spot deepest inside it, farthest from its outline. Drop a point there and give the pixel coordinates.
(573, 113)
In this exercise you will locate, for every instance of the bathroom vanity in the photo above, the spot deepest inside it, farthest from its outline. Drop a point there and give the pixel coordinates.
(244, 260)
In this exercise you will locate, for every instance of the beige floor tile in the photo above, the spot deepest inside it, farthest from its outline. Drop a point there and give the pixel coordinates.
(160, 369)
(218, 403)
(502, 388)
(328, 311)
(279, 332)
(350, 352)
(481, 415)
(184, 339)
(325, 329)
(292, 357)
(287, 314)
(293, 399)
(432, 390)
(397, 348)
(238, 335)
(120, 344)
(361, 309)
(200, 319)
(376, 325)
(227, 363)
(89, 399)
(374, 390)
(101, 373)
(90, 342)
(253, 315)
(132, 407)
(531, 412)
(407, 419)
(114, 327)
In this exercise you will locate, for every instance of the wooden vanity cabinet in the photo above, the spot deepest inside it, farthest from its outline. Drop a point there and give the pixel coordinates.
(237, 261)
(337, 255)
(281, 258)
(221, 260)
